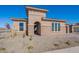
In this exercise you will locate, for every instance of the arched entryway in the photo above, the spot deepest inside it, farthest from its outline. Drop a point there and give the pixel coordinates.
(37, 28)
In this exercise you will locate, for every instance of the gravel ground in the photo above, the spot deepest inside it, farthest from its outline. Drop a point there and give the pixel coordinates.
(21, 44)
(67, 50)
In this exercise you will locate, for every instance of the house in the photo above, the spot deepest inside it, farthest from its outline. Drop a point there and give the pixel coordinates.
(75, 28)
(2, 30)
(37, 23)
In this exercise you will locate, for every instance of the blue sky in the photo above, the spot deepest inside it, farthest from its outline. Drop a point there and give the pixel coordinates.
(64, 12)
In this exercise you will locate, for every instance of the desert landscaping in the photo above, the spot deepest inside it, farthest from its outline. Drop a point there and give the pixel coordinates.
(20, 43)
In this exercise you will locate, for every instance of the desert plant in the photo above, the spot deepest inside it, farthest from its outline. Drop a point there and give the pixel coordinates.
(76, 41)
(30, 38)
(56, 44)
(67, 42)
(30, 48)
(2, 49)
(2, 37)
(23, 35)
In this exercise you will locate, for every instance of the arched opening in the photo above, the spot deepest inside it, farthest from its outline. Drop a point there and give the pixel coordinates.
(37, 28)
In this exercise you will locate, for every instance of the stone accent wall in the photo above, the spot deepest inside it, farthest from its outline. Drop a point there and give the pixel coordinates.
(34, 16)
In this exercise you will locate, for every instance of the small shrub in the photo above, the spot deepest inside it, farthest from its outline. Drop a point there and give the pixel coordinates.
(77, 41)
(68, 43)
(2, 49)
(2, 37)
(56, 44)
(23, 35)
(30, 47)
(30, 38)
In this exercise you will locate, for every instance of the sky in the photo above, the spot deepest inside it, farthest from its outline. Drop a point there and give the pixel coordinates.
(70, 13)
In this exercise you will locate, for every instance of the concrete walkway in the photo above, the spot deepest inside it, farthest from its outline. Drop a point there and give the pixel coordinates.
(67, 50)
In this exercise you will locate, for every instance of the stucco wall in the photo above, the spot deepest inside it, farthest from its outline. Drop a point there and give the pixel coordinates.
(47, 28)
(16, 26)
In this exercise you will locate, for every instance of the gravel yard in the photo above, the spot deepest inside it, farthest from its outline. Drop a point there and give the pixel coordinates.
(22, 44)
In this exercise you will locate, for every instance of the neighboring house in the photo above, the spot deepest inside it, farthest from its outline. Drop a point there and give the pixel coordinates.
(2, 30)
(75, 28)
(38, 24)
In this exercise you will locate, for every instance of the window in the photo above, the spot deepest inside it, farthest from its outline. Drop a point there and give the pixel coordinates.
(21, 26)
(55, 26)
